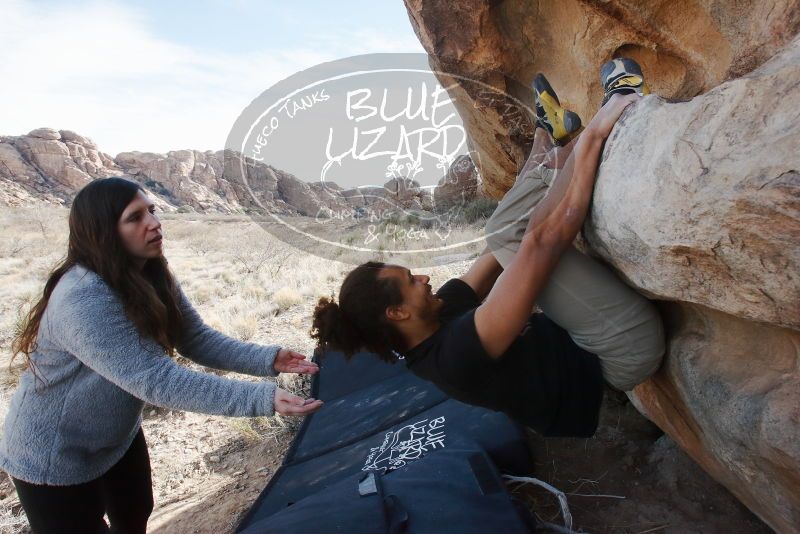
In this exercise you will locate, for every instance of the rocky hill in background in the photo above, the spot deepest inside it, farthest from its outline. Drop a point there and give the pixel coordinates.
(52, 165)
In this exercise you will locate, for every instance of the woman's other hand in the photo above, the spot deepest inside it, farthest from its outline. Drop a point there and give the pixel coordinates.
(288, 404)
(289, 361)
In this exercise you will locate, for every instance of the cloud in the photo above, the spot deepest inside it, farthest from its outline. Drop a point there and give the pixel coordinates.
(99, 69)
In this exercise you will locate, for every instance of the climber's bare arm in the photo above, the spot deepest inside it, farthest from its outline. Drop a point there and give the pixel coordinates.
(544, 152)
(483, 273)
(552, 227)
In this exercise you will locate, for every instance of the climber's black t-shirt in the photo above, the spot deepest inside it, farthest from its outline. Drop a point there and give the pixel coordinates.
(544, 380)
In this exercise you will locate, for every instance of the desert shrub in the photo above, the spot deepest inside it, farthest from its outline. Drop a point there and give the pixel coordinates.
(245, 327)
(11, 247)
(254, 292)
(200, 295)
(286, 297)
(476, 210)
(201, 244)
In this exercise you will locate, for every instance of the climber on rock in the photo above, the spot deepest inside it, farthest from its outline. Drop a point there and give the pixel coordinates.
(476, 338)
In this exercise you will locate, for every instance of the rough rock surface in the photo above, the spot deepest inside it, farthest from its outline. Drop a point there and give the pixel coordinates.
(198, 179)
(697, 203)
(459, 185)
(685, 49)
(706, 209)
(51, 165)
(707, 212)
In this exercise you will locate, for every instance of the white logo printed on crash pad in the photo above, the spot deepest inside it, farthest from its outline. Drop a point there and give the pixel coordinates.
(406, 445)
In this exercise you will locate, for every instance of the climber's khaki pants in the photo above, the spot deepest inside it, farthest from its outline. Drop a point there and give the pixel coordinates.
(600, 312)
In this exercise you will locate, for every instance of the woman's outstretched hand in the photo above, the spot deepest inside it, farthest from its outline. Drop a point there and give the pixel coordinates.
(288, 404)
(289, 361)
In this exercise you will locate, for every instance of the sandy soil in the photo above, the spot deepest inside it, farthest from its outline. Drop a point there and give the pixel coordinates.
(630, 478)
(208, 470)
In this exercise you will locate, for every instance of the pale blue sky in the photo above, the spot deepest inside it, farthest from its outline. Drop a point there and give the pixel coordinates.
(158, 76)
(241, 26)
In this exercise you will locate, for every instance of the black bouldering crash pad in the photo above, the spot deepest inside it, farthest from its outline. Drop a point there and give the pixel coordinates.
(379, 418)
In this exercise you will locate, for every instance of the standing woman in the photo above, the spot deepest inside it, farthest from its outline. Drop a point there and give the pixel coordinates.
(99, 344)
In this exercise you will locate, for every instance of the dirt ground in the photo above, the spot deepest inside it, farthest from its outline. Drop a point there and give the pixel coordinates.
(649, 484)
(208, 474)
(193, 491)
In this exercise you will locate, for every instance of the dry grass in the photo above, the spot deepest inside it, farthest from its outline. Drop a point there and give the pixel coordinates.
(286, 297)
(243, 282)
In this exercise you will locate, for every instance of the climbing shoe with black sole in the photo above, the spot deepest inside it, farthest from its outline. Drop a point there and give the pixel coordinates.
(622, 76)
(561, 123)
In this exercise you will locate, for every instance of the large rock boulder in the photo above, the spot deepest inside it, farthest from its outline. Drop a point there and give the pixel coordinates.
(460, 185)
(49, 134)
(705, 210)
(183, 178)
(50, 165)
(697, 204)
(313, 200)
(685, 48)
(407, 194)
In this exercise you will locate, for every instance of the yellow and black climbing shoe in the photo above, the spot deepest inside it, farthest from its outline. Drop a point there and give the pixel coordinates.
(622, 76)
(560, 122)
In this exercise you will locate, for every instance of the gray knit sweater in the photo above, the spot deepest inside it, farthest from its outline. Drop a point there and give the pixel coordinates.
(76, 420)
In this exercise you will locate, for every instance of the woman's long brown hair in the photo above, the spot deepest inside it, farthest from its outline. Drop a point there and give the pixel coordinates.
(149, 296)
